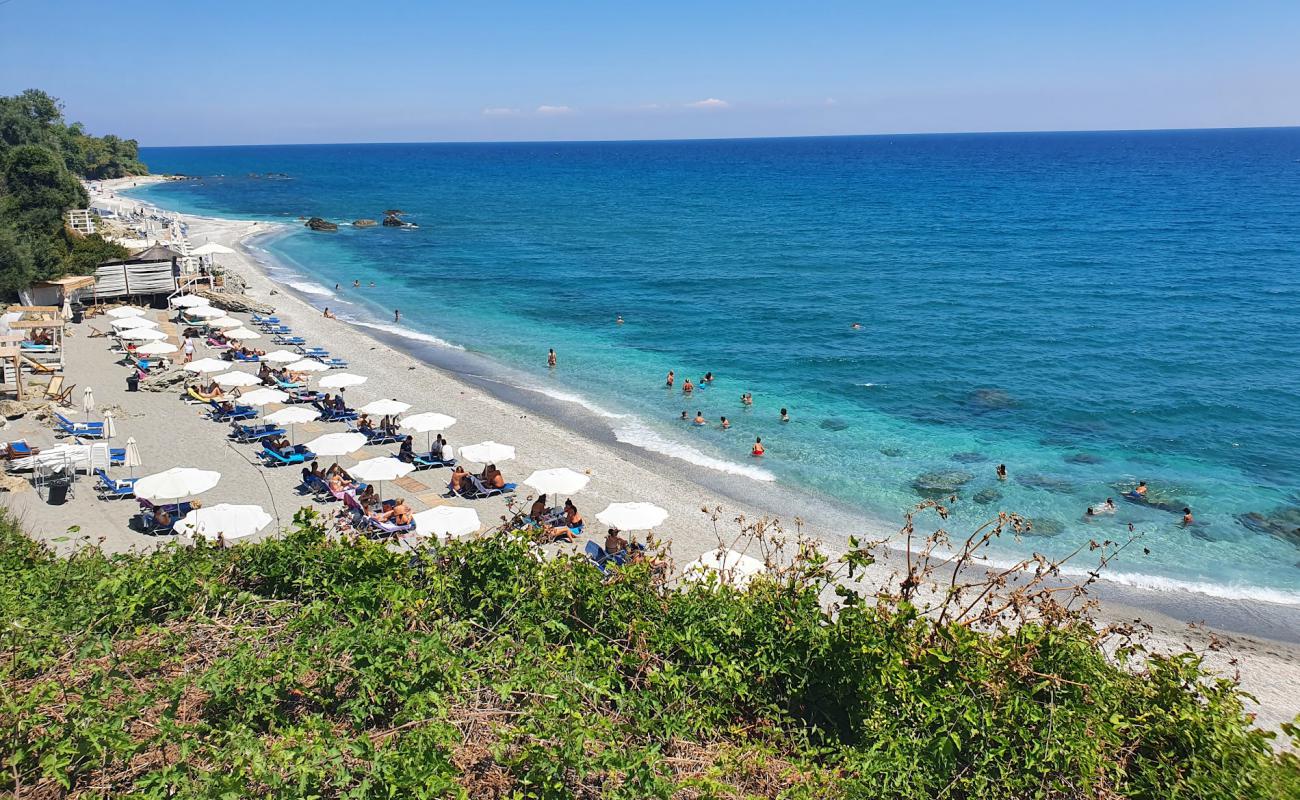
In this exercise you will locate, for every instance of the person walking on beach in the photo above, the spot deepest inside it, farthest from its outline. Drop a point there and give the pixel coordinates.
(188, 349)
(550, 358)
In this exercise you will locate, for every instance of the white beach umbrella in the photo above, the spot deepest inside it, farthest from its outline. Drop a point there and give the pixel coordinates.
(223, 522)
(487, 452)
(281, 357)
(211, 249)
(337, 444)
(262, 397)
(729, 565)
(122, 312)
(110, 428)
(175, 484)
(204, 312)
(446, 522)
(292, 415)
(132, 458)
(225, 322)
(234, 378)
(66, 312)
(88, 402)
(188, 301)
(559, 481)
(307, 365)
(142, 335)
(242, 334)
(207, 365)
(633, 516)
(428, 422)
(341, 380)
(381, 469)
(126, 323)
(156, 348)
(384, 408)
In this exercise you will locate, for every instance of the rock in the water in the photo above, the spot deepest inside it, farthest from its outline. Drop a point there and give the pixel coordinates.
(986, 496)
(990, 400)
(941, 482)
(969, 458)
(1044, 526)
(318, 224)
(1048, 483)
(364, 223)
(834, 424)
(1283, 523)
(892, 452)
(393, 222)
(1084, 458)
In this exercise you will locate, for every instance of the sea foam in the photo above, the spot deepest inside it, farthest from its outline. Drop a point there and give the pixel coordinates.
(405, 333)
(639, 435)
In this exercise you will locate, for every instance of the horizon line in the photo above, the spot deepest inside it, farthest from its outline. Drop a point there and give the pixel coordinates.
(746, 138)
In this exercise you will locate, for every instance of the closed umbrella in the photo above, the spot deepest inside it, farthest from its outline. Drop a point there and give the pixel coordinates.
(223, 522)
(142, 335)
(447, 522)
(235, 378)
(633, 516)
(337, 444)
(281, 357)
(307, 365)
(487, 452)
(132, 458)
(378, 470)
(110, 428)
(126, 323)
(175, 484)
(156, 348)
(242, 334)
(559, 481)
(729, 565)
(262, 397)
(207, 365)
(188, 301)
(127, 311)
(341, 380)
(385, 408)
(88, 402)
(66, 313)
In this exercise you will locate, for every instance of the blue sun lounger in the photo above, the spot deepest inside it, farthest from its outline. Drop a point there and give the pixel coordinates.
(427, 461)
(241, 357)
(296, 341)
(316, 487)
(478, 490)
(255, 433)
(260, 320)
(92, 430)
(332, 363)
(599, 558)
(275, 458)
(240, 412)
(304, 396)
(112, 488)
(333, 415)
(377, 436)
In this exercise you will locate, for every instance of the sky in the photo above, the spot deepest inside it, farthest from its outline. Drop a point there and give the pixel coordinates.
(281, 71)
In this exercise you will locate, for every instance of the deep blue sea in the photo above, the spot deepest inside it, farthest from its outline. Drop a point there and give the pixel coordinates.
(1089, 309)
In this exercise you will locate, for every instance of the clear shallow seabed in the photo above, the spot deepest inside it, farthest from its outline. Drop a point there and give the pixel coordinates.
(1089, 309)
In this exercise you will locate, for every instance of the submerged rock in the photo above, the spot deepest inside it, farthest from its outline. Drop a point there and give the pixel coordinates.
(1048, 483)
(834, 424)
(1282, 522)
(986, 496)
(941, 482)
(1084, 458)
(892, 452)
(969, 458)
(988, 399)
(364, 223)
(1044, 526)
(318, 224)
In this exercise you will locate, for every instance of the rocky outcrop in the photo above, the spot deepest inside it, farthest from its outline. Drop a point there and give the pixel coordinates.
(318, 224)
(1283, 523)
(393, 219)
(364, 223)
(228, 301)
(941, 482)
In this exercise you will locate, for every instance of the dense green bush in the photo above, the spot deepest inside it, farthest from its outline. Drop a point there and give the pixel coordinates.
(311, 667)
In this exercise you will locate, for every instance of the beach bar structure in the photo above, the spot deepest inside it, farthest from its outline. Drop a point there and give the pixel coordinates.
(56, 291)
(149, 272)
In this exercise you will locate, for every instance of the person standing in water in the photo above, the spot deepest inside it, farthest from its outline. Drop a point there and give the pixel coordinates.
(687, 386)
(550, 358)
(785, 415)
(1141, 490)
(725, 423)
(757, 450)
(619, 321)
(699, 418)
(671, 379)
(397, 315)
(1187, 517)
(1002, 472)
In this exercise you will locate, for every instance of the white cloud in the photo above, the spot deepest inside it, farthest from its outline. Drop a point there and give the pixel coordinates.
(500, 112)
(554, 110)
(711, 102)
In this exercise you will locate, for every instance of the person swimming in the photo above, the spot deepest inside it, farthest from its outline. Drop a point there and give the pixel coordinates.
(857, 326)
(1187, 517)
(1110, 505)
(785, 415)
(699, 418)
(619, 320)
(725, 423)
(685, 418)
(708, 378)
(747, 399)
(1141, 489)
(757, 450)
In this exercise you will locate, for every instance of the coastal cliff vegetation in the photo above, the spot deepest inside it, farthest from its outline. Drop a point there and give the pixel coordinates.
(42, 156)
(306, 666)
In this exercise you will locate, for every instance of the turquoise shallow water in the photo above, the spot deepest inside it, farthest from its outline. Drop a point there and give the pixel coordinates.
(1089, 309)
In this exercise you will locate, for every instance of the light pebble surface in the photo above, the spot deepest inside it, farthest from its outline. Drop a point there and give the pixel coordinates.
(172, 433)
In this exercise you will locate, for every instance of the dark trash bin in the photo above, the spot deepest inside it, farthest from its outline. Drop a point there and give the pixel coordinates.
(133, 383)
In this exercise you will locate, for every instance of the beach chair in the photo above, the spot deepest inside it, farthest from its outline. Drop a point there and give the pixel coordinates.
(255, 433)
(313, 352)
(19, 449)
(66, 427)
(239, 412)
(277, 330)
(304, 396)
(286, 386)
(275, 458)
(56, 391)
(427, 461)
(479, 490)
(387, 528)
(315, 487)
(599, 558)
(193, 391)
(296, 341)
(248, 359)
(333, 363)
(334, 415)
(113, 488)
(258, 319)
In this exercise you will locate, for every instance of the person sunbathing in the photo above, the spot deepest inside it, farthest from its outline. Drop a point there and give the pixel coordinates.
(365, 426)
(226, 407)
(538, 512)
(388, 425)
(570, 526)
(161, 518)
(398, 514)
(312, 472)
(458, 479)
(436, 448)
(209, 392)
(280, 445)
(615, 545)
(368, 498)
(338, 484)
(340, 404)
(492, 477)
(406, 453)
